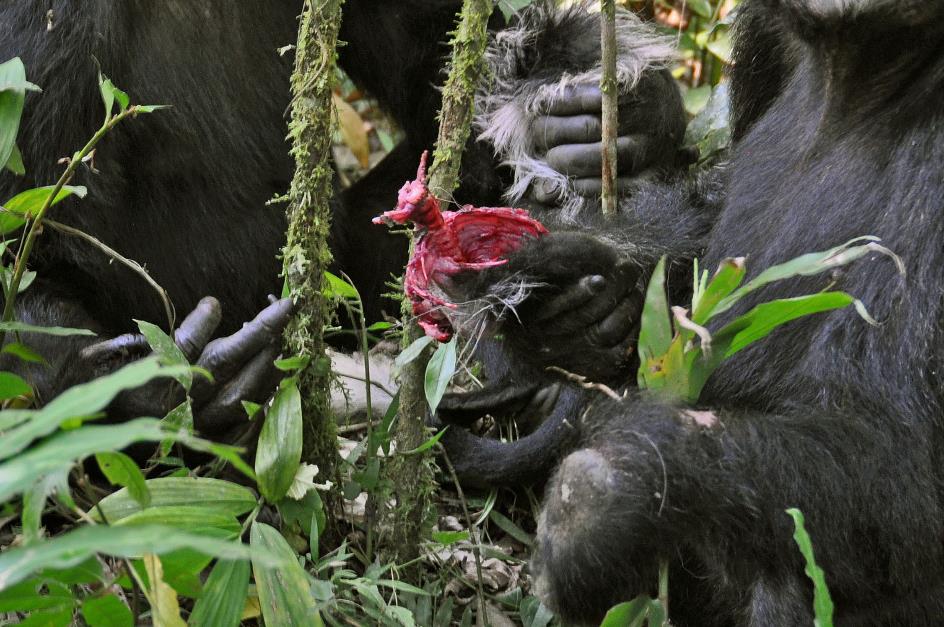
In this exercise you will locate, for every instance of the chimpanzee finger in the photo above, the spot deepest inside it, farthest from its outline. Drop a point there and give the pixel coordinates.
(539, 408)
(577, 99)
(225, 356)
(255, 382)
(587, 159)
(198, 327)
(572, 297)
(121, 347)
(618, 285)
(549, 131)
(616, 326)
(593, 187)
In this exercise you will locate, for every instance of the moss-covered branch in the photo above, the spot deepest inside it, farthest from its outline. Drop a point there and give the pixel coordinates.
(306, 254)
(412, 476)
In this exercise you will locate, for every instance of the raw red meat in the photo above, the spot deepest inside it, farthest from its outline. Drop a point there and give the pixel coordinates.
(449, 242)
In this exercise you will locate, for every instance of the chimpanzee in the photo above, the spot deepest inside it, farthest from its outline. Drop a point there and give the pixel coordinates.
(838, 120)
(184, 191)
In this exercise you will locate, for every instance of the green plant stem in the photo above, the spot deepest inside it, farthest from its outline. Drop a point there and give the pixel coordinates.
(610, 89)
(664, 588)
(23, 255)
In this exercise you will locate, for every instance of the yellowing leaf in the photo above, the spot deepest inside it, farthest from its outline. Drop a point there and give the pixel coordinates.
(165, 609)
(352, 130)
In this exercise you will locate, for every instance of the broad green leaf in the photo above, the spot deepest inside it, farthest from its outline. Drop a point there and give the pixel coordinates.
(695, 99)
(89, 571)
(76, 546)
(12, 385)
(21, 327)
(291, 364)
(279, 451)
(194, 518)
(82, 400)
(34, 501)
(402, 586)
(336, 287)
(439, 372)
(12, 97)
(379, 326)
(822, 602)
(30, 202)
(62, 451)
(509, 527)
(216, 495)
(25, 596)
(106, 611)
(121, 470)
(283, 592)
(630, 614)
(179, 418)
(412, 351)
(701, 7)
(59, 617)
(224, 596)
(721, 45)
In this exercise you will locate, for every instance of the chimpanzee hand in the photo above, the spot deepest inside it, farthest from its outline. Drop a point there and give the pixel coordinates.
(568, 135)
(241, 365)
(583, 307)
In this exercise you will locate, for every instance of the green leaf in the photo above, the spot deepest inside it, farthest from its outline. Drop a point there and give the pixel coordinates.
(509, 527)
(61, 451)
(810, 264)
(224, 596)
(216, 495)
(26, 597)
(283, 592)
(167, 351)
(59, 617)
(412, 351)
(121, 470)
(629, 614)
(177, 419)
(24, 353)
(447, 538)
(428, 444)
(701, 7)
(106, 611)
(439, 372)
(279, 451)
(822, 602)
(21, 327)
(12, 385)
(110, 94)
(655, 330)
(764, 318)
(34, 501)
(12, 97)
(82, 400)
(402, 586)
(729, 276)
(510, 7)
(76, 546)
(380, 326)
(29, 203)
(696, 99)
(15, 162)
(194, 518)
(336, 287)
(150, 108)
(291, 364)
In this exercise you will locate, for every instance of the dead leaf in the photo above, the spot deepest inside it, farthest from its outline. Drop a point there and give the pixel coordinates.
(352, 130)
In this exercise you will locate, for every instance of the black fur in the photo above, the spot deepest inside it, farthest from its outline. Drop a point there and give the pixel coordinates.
(839, 119)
